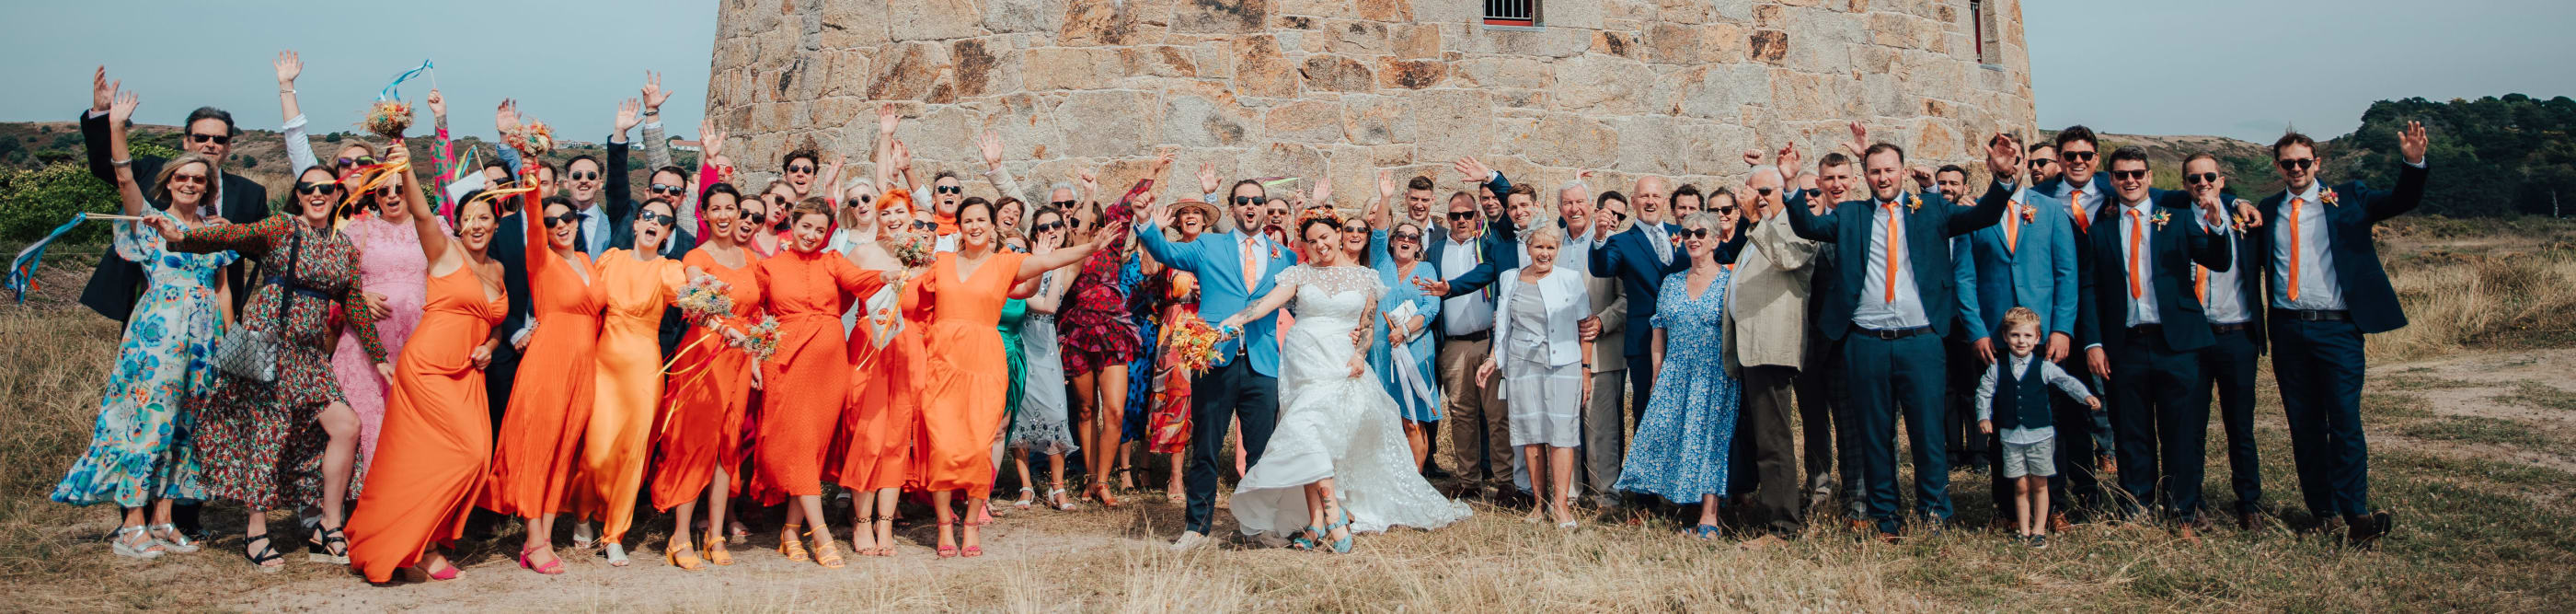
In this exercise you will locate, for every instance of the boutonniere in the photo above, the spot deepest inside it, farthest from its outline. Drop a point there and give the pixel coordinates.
(2329, 197)
(1913, 202)
(2160, 218)
(2028, 213)
(2243, 219)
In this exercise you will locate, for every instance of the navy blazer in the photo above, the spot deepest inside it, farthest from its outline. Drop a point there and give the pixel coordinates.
(2366, 292)
(1629, 257)
(1928, 231)
(510, 248)
(2173, 249)
(2249, 277)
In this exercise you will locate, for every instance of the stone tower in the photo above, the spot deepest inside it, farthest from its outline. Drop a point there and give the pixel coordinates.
(1309, 87)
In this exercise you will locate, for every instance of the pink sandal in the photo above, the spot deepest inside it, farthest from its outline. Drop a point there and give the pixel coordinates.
(551, 568)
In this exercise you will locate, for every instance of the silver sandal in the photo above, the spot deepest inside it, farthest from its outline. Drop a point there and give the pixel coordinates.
(150, 549)
(177, 542)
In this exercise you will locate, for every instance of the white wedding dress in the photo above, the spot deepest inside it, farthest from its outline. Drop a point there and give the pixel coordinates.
(1332, 425)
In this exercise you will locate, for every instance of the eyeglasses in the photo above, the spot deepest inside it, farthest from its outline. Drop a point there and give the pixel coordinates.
(664, 188)
(306, 187)
(2200, 178)
(559, 220)
(2296, 164)
(583, 176)
(1046, 227)
(1694, 233)
(949, 189)
(2128, 175)
(1061, 204)
(800, 169)
(1461, 216)
(2076, 156)
(217, 139)
(188, 179)
(1249, 200)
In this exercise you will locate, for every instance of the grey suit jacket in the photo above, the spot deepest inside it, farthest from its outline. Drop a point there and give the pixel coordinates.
(1766, 303)
(1611, 305)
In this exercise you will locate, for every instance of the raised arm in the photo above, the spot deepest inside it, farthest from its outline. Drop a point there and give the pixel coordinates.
(128, 189)
(2377, 206)
(442, 153)
(1050, 295)
(617, 191)
(1181, 256)
(2003, 159)
(433, 240)
(1281, 290)
(299, 145)
(1033, 265)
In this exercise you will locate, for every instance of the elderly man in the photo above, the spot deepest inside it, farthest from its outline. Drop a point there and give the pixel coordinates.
(1604, 433)
(1766, 330)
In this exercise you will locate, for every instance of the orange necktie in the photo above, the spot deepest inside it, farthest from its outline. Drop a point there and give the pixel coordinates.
(1892, 238)
(2012, 228)
(2075, 204)
(2294, 247)
(2200, 283)
(2135, 290)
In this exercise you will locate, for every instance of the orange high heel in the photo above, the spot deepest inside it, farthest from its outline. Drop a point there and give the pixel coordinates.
(791, 545)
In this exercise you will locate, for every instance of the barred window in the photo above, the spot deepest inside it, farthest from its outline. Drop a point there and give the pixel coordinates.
(1511, 12)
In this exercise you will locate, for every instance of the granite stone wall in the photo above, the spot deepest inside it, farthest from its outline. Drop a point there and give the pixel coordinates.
(1343, 87)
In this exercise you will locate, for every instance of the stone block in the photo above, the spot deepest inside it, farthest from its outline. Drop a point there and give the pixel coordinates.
(1768, 45)
(1158, 61)
(1491, 72)
(1355, 38)
(983, 70)
(1306, 121)
(1109, 123)
(1069, 68)
(1452, 123)
(1312, 8)
(1601, 85)
(908, 71)
(1022, 15)
(1415, 41)
(1338, 74)
(1196, 121)
(1260, 69)
(849, 24)
(910, 20)
(1572, 140)
(1411, 74)
(1095, 22)
(1221, 16)
(1376, 120)
(1386, 10)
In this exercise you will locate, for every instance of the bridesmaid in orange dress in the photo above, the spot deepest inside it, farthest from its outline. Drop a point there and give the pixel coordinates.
(966, 383)
(637, 285)
(883, 411)
(807, 289)
(437, 435)
(751, 231)
(700, 441)
(550, 406)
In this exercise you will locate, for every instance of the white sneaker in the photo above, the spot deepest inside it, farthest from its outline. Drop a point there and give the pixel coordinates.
(1190, 540)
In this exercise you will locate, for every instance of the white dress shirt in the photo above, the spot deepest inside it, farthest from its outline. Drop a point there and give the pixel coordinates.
(2049, 374)
(2319, 289)
(1874, 311)
(2223, 303)
(2139, 217)
(1469, 313)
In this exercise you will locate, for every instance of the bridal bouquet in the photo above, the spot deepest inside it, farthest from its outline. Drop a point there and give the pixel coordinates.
(761, 340)
(704, 301)
(388, 118)
(1193, 341)
(532, 137)
(915, 249)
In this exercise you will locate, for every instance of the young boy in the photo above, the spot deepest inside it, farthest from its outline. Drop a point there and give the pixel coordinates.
(2029, 439)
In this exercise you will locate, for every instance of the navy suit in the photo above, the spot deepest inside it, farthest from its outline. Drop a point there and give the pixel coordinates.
(2094, 427)
(2153, 366)
(1888, 369)
(1630, 257)
(2227, 369)
(2317, 356)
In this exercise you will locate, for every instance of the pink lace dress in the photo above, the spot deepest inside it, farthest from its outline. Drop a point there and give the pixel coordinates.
(390, 263)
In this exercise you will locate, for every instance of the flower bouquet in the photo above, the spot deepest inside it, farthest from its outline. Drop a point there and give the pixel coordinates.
(1193, 342)
(532, 137)
(915, 249)
(705, 302)
(388, 118)
(761, 340)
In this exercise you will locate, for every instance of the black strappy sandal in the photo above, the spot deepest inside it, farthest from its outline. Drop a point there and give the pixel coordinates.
(260, 557)
(333, 548)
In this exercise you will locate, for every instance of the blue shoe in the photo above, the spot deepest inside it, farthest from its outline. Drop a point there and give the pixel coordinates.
(1306, 540)
(1706, 531)
(1343, 545)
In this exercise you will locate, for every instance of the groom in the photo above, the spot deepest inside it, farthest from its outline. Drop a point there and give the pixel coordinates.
(1233, 268)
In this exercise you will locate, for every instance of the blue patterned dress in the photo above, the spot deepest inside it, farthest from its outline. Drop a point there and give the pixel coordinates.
(1420, 404)
(1681, 444)
(141, 447)
(1144, 303)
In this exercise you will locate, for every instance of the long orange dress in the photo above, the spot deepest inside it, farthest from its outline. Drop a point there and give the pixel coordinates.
(628, 379)
(968, 382)
(809, 378)
(436, 441)
(708, 394)
(884, 410)
(532, 467)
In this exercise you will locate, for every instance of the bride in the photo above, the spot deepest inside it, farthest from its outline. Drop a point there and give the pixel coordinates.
(1338, 463)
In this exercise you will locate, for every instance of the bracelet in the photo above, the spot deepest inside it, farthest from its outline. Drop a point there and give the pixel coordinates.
(652, 112)
(287, 90)
(122, 163)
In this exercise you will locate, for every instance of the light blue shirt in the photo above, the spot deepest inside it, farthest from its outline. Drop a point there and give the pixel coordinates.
(2139, 218)
(2319, 289)
(1874, 311)
(2224, 305)
(594, 228)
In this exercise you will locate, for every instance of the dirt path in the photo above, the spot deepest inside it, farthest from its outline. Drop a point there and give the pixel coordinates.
(2486, 386)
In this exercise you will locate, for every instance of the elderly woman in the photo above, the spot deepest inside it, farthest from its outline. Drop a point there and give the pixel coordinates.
(1681, 445)
(1539, 351)
(1403, 359)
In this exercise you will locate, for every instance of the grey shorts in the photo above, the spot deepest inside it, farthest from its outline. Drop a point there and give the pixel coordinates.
(2039, 458)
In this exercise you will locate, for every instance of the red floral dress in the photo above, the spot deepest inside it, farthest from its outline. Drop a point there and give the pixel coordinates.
(1095, 329)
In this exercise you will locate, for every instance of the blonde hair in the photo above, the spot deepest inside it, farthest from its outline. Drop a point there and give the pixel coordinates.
(2019, 317)
(214, 179)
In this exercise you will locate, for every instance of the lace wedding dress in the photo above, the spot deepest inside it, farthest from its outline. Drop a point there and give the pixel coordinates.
(1332, 425)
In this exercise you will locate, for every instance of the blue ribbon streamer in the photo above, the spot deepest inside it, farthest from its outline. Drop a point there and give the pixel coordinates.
(388, 93)
(22, 271)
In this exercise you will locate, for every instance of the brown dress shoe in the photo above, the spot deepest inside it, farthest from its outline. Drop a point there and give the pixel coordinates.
(2057, 523)
(2366, 530)
(2247, 521)
(2188, 535)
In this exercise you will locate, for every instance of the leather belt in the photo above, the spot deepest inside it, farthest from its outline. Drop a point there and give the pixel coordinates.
(2228, 328)
(2143, 330)
(1894, 333)
(1474, 336)
(2316, 315)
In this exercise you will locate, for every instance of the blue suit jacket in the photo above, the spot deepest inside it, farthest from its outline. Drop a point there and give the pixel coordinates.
(2366, 292)
(1224, 289)
(2038, 272)
(1928, 248)
(1629, 257)
(2173, 249)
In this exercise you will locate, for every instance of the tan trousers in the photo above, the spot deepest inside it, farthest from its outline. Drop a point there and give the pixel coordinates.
(1476, 428)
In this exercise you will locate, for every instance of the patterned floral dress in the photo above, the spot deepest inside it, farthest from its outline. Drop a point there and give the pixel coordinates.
(1681, 445)
(140, 449)
(262, 442)
(391, 262)
(1167, 428)
(1144, 300)
(1097, 331)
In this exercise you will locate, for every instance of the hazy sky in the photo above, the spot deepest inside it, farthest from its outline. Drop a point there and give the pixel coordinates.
(2162, 67)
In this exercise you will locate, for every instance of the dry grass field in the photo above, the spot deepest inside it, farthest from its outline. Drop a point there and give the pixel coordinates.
(2472, 414)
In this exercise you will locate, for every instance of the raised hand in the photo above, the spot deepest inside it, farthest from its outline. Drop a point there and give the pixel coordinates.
(990, 144)
(289, 65)
(1324, 189)
(902, 157)
(1386, 183)
(653, 92)
(123, 109)
(1787, 160)
(1432, 287)
(1922, 175)
(1207, 177)
(2413, 142)
(1472, 170)
(626, 116)
(505, 118)
(2003, 156)
(102, 92)
(710, 139)
(169, 230)
(887, 118)
(437, 105)
(1752, 157)
(1109, 236)
(1859, 139)
(1163, 162)
(1090, 181)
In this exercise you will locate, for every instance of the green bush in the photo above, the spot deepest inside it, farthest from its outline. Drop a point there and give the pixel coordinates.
(33, 202)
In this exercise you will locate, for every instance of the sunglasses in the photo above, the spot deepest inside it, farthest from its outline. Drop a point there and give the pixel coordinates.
(921, 225)
(2296, 164)
(1617, 217)
(2128, 175)
(754, 217)
(1046, 227)
(1461, 216)
(668, 189)
(1695, 233)
(949, 189)
(188, 179)
(2041, 163)
(559, 220)
(583, 176)
(1061, 204)
(1249, 200)
(1763, 191)
(855, 203)
(724, 169)
(1726, 210)
(2200, 178)
(655, 218)
(1405, 237)
(800, 169)
(1073, 222)
(364, 160)
(308, 187)
(217, 139)
(2076, 156)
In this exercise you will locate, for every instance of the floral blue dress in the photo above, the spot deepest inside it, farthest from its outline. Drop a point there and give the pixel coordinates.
(1680, 449)
(141, 447)
(1144, 305)
(1417, 395)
